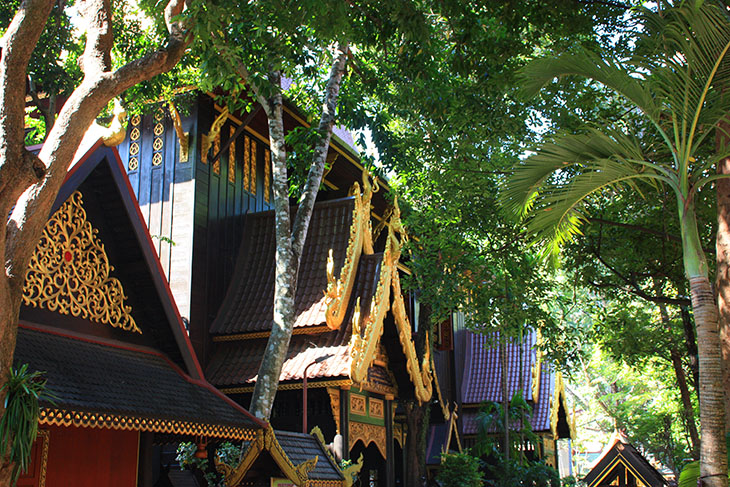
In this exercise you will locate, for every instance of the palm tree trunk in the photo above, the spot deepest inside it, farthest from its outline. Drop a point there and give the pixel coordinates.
(713, 452)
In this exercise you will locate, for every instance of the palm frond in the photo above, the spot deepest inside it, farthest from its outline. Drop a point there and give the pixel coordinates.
(559, 155)
(549, 189)
(539, 72)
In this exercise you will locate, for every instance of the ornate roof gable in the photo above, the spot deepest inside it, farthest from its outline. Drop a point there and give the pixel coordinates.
(367, 325)
(70, 271)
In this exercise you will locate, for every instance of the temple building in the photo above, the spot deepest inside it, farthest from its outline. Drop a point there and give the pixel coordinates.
(149, 303)
(206, 198)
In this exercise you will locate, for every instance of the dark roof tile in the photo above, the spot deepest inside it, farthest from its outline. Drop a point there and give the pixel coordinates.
(88, 376)
(248, 306)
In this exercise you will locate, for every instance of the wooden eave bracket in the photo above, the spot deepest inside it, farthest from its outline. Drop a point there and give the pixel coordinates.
(215, 131)
(182, 137)
(266, 440)
(117, 131)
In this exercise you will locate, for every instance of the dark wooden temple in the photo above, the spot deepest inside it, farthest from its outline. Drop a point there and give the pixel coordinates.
(99, 319)
(206, 198)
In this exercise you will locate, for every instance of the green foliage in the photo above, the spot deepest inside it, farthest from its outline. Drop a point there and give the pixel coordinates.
(19, 425)
(491, 427)
(511, 472)
(460, 470)
(227, 452)
(689, 475)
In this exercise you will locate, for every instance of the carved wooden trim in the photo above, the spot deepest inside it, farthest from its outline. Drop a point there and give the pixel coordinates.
(367, 433)
(70, 272)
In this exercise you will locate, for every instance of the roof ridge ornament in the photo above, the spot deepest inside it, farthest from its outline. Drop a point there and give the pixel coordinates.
(69, 271)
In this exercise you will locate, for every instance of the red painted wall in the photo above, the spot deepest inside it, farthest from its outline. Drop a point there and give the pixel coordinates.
(91, 457)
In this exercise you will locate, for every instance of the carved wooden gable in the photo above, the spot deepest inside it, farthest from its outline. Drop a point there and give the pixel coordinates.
(70, 272)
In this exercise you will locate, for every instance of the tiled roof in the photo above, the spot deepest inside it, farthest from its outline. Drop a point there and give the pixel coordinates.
(93, 377)
(482, 380)
(237, 362)
(540, 418)
(300, 447)
(248, 306)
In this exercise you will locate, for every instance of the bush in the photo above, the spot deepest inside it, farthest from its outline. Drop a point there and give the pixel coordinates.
(460, 470)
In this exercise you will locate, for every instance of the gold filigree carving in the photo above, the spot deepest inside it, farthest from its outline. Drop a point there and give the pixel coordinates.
(335, 405)
(367, 433)
(253, 149)
(134, 135)
(232, 157)
(182, 136)
(157, 159)
(69, 271)
(157, 144)
(267, 175)
(357, 404)
(376, 408)
(364, 346)
(339, 290)
(265, 440)
(206, 140)
(246, 163)
(352, 471)
(45, 437)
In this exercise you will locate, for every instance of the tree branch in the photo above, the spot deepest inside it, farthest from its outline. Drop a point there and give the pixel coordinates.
(633, 286)
(642, 229)
(99, 86)
(316, 170)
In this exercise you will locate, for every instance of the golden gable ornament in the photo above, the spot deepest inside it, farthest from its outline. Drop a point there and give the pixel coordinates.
(69, 271)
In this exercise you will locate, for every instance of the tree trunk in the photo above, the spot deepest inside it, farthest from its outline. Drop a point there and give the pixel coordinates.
(417, 415)
(713, 452)
(676, 359)
(29, 183)
(277, 347)
(290, 241)
(691, 344)
(722, 245)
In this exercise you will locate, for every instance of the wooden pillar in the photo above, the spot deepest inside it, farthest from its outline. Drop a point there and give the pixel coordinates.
(389, 448)
(345, 422)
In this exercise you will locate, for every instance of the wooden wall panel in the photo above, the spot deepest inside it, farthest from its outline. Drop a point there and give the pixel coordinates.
(90, 457)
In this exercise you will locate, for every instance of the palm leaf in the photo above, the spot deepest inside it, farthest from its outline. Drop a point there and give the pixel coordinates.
(536, 74)
(550, 188)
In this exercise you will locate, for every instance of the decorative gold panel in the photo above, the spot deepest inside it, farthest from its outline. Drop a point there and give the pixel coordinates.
(267, 175)
(335, 405)
(69, 271)
(157, 159)
(134, 135)
(376, 408)
(216, 150)
(367, 433)
(252, 168)
(157, 144)
(232, 157)
(357, 404)
(246, 162)
(159, 129)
